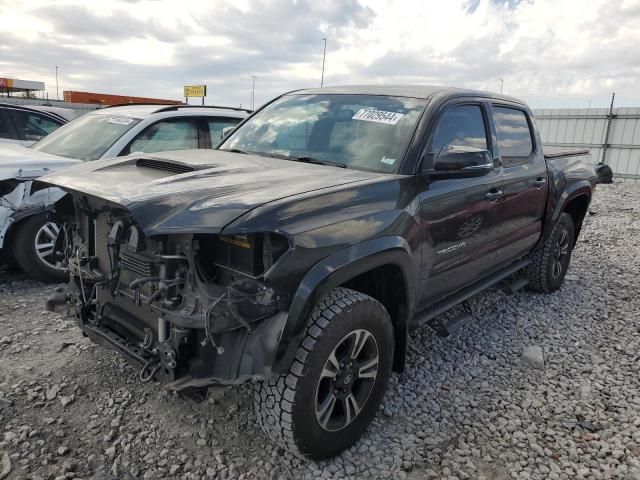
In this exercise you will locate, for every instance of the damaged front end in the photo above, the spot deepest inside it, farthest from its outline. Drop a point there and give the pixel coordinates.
(191, 310)
(22, 197)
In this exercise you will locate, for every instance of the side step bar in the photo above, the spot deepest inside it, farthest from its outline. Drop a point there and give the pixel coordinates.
(427, 315)
(515, 286)
(444, 329)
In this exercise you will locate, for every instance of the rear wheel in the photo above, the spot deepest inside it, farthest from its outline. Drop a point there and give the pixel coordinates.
(549, 264)
(337, 380)
(36, 249)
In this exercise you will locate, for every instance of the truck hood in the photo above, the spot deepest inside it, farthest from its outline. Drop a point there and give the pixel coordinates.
(197, 191)
(17, 161)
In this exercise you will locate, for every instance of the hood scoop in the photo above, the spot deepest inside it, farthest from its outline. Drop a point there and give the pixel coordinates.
(172, 167)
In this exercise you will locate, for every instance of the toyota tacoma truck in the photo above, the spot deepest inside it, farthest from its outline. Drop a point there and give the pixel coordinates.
(300, 253)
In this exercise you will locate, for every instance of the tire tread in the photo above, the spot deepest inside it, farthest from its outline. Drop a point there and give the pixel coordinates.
(273, 406)
(538, 269)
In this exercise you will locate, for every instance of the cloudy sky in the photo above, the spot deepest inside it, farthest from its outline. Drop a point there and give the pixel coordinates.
(550, 52)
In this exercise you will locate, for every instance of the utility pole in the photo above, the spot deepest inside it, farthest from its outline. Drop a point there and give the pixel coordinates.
(501, 84)
(253, 92)
(605, 144)
(57, 93)
(324, 56)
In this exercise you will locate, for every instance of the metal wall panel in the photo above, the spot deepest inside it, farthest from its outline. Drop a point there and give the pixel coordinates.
(586, 128)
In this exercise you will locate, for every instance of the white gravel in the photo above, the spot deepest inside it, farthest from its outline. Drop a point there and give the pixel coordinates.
(481, 404)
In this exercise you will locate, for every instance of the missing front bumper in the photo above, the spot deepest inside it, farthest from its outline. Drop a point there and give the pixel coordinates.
(185, 359)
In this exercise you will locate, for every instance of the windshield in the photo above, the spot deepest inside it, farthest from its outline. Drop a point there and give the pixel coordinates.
(87, 137)
(357, 131)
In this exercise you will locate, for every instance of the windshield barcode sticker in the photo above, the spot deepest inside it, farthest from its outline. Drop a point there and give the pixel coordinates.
(378, 116)
(120, 120)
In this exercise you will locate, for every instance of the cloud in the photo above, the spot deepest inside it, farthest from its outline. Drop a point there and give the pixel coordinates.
(541, 49)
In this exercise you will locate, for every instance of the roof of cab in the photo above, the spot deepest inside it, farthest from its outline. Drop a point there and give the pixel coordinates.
(414, 91)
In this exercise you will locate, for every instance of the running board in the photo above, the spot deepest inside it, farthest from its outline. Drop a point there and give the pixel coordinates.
(444, 329)
(515, 286)
(423, 317)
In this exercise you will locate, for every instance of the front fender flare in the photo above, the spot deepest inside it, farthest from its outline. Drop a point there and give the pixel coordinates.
(334, 271)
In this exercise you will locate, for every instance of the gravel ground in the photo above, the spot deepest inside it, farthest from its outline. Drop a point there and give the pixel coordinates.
(539, 387)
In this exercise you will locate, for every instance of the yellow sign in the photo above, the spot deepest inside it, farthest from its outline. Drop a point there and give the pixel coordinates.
(195, 90)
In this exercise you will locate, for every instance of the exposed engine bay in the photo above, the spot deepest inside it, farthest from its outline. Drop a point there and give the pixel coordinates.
(188, 309)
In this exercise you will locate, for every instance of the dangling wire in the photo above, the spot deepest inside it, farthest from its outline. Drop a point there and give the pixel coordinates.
(207, 326)
(146, 368)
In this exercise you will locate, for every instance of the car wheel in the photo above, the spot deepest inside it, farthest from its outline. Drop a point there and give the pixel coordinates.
(336, 382)
(549, 263)
(34, 249)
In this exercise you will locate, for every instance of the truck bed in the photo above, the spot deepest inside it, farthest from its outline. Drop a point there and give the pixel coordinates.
(555, 152)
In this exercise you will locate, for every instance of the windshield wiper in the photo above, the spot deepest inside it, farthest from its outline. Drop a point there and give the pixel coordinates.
(236, 150)
(306, 159)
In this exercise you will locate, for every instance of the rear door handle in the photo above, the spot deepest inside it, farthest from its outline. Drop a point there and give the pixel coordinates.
(494, 195)
(539, 182)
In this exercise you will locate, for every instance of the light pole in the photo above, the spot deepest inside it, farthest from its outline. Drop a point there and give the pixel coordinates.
(57, 93)
(253, 92)
(501, 84)
(324, 55)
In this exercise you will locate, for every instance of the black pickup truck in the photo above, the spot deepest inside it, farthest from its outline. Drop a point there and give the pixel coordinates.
(301, 253)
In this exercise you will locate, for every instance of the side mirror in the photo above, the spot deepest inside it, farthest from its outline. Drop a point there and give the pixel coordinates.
(226, 131)
(461, 162)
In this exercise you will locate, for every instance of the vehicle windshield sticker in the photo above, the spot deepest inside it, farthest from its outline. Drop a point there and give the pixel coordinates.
(378, 116)
(120, 120)
(388, 161)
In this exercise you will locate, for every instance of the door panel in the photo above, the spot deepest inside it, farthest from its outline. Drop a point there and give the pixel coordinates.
(525, 182)
(459, 227)
(459, 217)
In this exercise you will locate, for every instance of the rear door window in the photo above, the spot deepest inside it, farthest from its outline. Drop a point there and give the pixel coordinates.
(514, 135)
(32, 126)
(461, 126)
(216, 125)
(5, 132)
(174, 134)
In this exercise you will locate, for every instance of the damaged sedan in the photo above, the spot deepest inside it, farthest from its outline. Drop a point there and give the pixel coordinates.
(29, 236)
(300, 254)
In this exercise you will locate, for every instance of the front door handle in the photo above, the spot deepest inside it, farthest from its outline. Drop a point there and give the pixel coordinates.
(539, 182)
(494, 195)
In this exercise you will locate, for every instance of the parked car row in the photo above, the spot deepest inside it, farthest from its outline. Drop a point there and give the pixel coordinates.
(25, 125)
(301, 252)
(28, 236)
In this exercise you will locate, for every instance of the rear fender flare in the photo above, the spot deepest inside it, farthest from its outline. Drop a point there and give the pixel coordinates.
(582, 187)
(334, 271)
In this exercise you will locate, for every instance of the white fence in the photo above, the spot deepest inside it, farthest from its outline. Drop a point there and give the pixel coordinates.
(587, 128)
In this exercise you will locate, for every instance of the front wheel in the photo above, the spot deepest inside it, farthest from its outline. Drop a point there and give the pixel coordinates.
(337, 380)
(36, 249)
(549, 263)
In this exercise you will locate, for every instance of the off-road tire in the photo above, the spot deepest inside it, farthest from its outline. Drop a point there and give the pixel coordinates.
(286, 404)
(24, 251)
(540, 270)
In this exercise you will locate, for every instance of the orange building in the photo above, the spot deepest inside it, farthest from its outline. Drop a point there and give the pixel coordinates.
(107, 99)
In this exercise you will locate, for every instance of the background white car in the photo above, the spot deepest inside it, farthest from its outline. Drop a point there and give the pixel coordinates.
(27, 235)
(25, 125)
